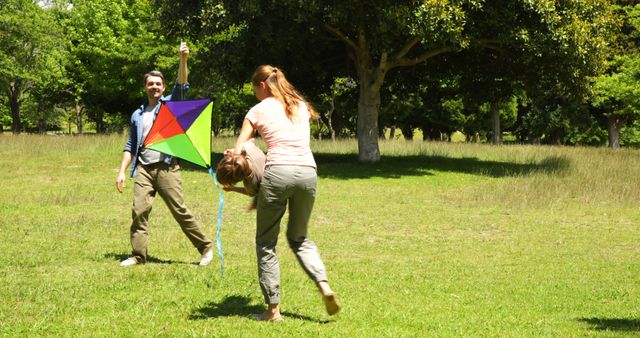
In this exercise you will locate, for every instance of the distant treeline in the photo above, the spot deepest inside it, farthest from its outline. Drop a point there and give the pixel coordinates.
(543, 71)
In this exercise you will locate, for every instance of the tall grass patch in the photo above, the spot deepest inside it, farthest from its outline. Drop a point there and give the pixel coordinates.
(435, 239)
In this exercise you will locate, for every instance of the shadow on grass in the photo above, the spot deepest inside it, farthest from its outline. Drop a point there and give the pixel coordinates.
(150, 259)
(612, 324)
(240, 306)
(347, 166)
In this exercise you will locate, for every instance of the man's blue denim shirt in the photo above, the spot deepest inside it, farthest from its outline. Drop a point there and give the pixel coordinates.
(134, 144)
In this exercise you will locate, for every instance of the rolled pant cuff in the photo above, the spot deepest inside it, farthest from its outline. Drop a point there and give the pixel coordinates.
(205, 249)
(140, 259)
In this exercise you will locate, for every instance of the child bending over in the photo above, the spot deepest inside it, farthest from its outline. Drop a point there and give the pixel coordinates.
(247, 167)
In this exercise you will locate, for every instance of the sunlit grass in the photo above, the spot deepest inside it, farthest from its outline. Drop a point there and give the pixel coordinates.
(437, 239)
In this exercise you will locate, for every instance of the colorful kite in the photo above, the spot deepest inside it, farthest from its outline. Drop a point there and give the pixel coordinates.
(183, 129)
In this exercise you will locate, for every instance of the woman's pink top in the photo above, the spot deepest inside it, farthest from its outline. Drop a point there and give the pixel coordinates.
(288, 141)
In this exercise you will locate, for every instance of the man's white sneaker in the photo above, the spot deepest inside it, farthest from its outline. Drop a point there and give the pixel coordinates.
(207, 257)
(129, 262)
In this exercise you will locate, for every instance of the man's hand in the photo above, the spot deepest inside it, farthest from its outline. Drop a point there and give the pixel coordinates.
(183, 71)
(121, 182)
(184, 50)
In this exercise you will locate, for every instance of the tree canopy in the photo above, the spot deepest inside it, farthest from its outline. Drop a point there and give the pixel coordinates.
(32, 53)
(544, 70)
(321, 40)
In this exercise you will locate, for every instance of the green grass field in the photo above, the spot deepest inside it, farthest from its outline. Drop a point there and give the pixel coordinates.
(434, 240)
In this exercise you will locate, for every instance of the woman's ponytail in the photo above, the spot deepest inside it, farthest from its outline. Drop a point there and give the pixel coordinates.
(282, 90)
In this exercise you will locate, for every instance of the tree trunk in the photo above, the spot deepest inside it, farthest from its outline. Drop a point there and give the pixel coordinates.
(496, 137)
(98, 119)
(392, 132)
(614, 123)
(319, 129)
(370, 80)
(473, 138)
(327, 119)
(535, 140)
(428, 134)
(555, 137)
(42, 126)
(79, 111)
(407, 132)
(368, 109)
(14, 106)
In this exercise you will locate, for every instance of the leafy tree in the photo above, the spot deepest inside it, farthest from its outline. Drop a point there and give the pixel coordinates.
(115, 42)
(618, 94)
(48, 100)
(229, 107)
(616, 91)
(341, 87)
(488, 80)
(422, 100)
(5, 114)
(552, 117)
(630, 134)
(31, 47)
(320, 40)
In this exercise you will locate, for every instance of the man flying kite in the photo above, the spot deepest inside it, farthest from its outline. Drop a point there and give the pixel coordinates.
(156, 171)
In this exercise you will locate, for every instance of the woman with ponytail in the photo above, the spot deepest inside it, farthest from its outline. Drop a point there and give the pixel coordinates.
(283, 120)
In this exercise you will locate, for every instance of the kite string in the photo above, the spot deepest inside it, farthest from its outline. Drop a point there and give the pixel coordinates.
(218, 238)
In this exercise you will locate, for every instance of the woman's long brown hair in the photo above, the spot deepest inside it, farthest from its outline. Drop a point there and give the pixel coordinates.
(282, 90)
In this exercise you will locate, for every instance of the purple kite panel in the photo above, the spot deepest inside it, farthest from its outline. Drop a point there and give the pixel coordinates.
(187, 111)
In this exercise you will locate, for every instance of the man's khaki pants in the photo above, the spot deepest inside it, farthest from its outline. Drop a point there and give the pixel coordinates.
(164, 179)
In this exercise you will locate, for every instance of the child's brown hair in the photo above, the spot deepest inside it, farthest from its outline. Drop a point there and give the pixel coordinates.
(232, 169)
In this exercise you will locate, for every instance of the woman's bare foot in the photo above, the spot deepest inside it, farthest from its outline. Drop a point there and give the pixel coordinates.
(272, 314)
(329, 298)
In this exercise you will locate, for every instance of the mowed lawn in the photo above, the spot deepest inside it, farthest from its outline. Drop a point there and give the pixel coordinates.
(436, 239)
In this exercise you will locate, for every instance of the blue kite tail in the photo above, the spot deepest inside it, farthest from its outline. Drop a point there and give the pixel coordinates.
(220, 205)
